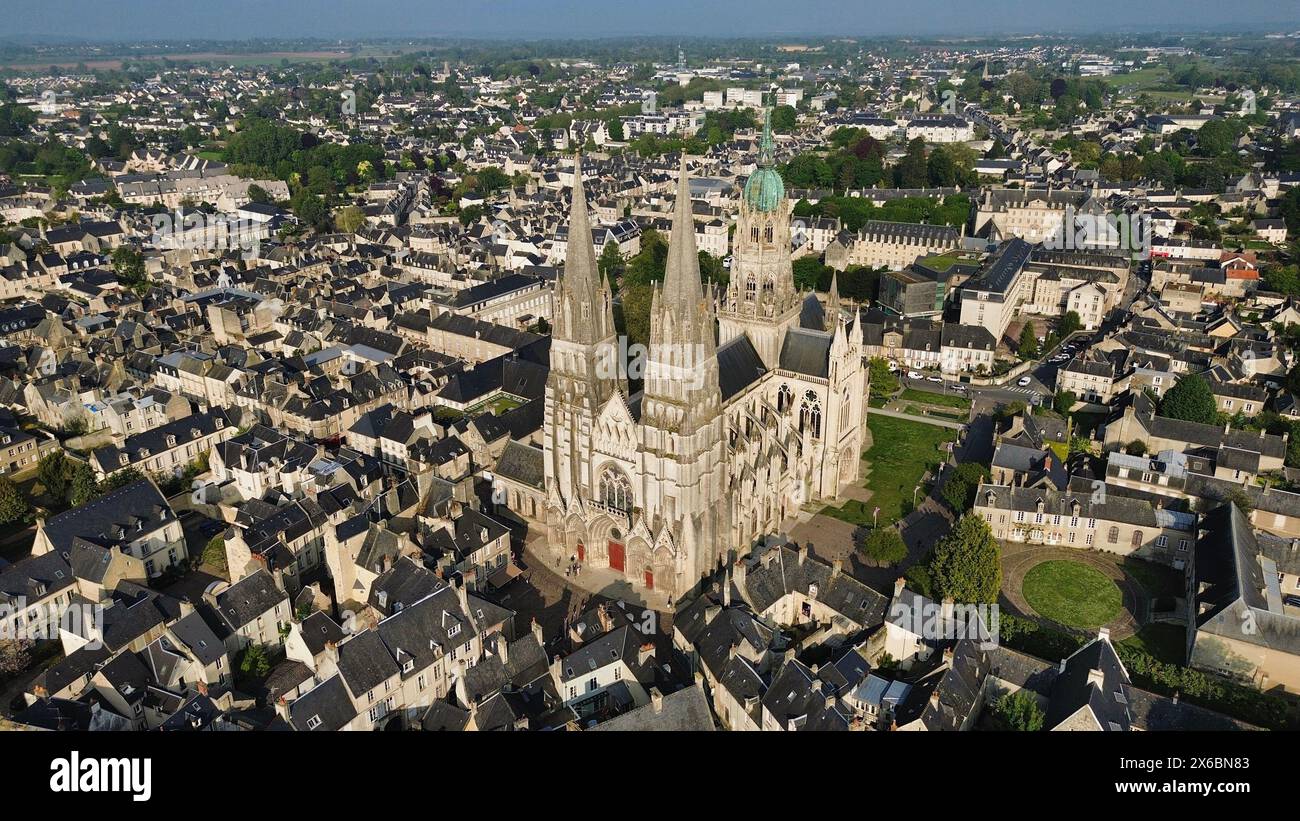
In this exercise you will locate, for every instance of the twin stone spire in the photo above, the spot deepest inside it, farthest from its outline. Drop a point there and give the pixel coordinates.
(682, 322)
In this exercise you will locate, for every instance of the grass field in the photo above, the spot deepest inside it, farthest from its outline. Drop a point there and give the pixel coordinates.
(1166, 642)
(1158, 580)
(945, 399)
(899, 455)
(1072, 594)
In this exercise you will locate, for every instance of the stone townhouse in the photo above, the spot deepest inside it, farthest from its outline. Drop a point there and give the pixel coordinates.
(134, 519)
(1087, 520)
(167, 449)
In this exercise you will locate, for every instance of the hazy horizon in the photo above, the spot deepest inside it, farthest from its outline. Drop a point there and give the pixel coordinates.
(93, 20)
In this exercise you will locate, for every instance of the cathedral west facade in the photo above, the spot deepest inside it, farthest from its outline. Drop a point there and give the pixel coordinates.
(754, 402)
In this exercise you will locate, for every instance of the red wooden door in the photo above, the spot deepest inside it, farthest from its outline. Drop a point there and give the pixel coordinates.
(649, 580)
(616, 556)
(582, 553)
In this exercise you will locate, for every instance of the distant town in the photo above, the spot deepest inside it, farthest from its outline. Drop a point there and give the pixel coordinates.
(833, 384)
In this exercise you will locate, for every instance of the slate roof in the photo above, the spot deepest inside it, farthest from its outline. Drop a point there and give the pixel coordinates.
(326, 705)
(120, 515)
(1076, 688)
(806, 352)
(739, 366)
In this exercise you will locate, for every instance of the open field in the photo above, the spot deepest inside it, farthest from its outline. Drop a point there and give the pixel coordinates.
(900, 453)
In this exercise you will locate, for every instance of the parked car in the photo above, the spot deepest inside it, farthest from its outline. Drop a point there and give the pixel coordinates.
(1024, 381)
(1292, 600)
(933, 378)
(915, 375)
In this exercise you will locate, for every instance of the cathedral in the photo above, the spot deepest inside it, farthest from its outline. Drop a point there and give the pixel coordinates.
(753, 404)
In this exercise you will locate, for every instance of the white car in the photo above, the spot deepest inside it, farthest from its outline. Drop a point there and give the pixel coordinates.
(933, 378)
(1024, 381)
(915, 375)
(959, 388)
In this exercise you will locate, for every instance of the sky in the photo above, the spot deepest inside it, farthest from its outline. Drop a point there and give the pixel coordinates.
(349, 19)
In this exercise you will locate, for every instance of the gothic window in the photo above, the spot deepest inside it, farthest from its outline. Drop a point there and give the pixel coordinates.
(753, 233)
(615, 489)
(784, 399)
(810, 414)
(749, 289)
(767, 233)
(769, 285)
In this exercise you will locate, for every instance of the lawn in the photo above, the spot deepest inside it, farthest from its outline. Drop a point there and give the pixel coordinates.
(899, 455)
(1163, 641)
(945, 399)
(1072, 594)
(1158, 580)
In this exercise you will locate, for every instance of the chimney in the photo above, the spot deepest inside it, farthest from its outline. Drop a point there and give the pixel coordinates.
(816, 685)
(947, 656)
(656, 700)
(463, 596)
(726, 589)
(537, 632)
(801, 550)
(1104, 634)
(731, 652)
(899, 584)
(1175, 699)
(739, 574)
(830, 702)
(947, 609)
(503, 649)
(645, 653)
(1061, 668)
(1097, 677)
(934, 698)
(837, 567)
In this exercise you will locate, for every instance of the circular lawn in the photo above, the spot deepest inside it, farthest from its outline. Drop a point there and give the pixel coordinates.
(1072, 594)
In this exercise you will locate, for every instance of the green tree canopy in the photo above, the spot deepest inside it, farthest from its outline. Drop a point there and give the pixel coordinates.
(967, 564)
(1190, 400)
(1018, 711)
(885, 546)
(13, 505)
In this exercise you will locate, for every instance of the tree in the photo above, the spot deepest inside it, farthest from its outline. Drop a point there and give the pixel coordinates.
(257, 193)
(82, 484)
(12, 504)
(967, 565)
(1018, 711)
(1241, 499)
(254, 662)
(118, 479)
(1069, 324)
(1028, 347)
(52, 473)
(961, 484)
(882, 380)
(15, 656)
(1064, 401)
(1190, 400)
(884, 546)
(128, 264)
(610, 261)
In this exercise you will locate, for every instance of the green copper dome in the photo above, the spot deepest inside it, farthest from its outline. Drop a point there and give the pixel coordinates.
(764, 189)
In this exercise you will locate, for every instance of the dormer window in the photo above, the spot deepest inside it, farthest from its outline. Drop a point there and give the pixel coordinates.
(171, 440)
(124, 459)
